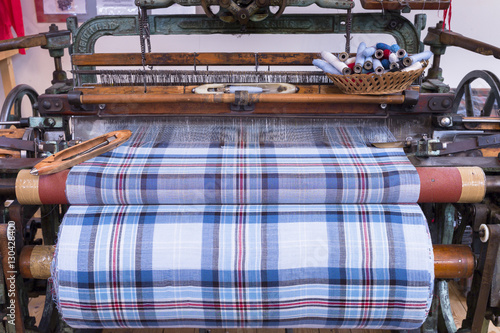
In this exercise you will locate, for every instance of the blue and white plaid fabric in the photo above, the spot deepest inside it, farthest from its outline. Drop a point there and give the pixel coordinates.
(342, 266)
(336, 166)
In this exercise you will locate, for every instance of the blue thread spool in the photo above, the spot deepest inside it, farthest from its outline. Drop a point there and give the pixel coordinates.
(326, 67)
(360, 58)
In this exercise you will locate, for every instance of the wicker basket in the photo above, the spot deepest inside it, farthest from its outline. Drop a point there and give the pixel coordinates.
(373, 84)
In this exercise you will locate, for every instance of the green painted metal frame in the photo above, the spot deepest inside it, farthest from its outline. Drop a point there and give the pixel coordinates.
(406, 33)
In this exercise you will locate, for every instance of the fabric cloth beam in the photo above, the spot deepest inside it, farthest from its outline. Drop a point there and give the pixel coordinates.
(342, 266)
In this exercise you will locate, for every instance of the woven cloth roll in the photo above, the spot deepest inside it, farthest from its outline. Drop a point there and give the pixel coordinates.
(342, 266)
(241, 166)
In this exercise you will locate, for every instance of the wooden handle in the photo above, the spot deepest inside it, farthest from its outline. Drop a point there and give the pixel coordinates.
(456, 39)
(69, 157)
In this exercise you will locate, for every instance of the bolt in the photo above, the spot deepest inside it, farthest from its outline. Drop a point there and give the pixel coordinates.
(49, 122)
(46, 104)
(383, 106)
(445, 121)
(102, 106)
(446, 103)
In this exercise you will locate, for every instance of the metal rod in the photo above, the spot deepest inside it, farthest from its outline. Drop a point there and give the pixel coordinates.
(231, 98)
(450, 261)
(480, 120)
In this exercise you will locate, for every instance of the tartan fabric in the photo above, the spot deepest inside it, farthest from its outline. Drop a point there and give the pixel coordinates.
(342, 266)
(241, 166)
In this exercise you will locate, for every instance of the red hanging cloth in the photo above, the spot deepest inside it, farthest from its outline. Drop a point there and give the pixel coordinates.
(11, 16)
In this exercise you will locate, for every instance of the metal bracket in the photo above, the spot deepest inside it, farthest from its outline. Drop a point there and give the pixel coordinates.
(242, 102)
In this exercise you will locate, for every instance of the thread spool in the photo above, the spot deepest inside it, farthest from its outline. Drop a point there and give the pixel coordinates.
(414, 67)
(401, 53)
(325, 67)
(426, 55)
(382, 46)
(351, 60)
(394, 48)
(379, 54)
(385, 63)
(368, 65)
(387, 53)
(377, 67)
(360, 58)
(393, 58)
(335, 62)
(343, 56)
(394, 67)
(369, 51)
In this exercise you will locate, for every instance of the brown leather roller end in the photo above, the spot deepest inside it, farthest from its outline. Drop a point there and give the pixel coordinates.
(453, 261)
(52, 188)
(440, 184)
(24, 261)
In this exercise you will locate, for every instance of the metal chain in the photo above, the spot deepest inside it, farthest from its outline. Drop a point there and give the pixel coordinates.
(144, 36)
(348, 27)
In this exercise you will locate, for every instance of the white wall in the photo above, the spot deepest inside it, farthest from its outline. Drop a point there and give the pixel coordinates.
(477, 19)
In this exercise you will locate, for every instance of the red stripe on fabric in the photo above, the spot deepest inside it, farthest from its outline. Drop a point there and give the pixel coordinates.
(367, 290)
(115, 267)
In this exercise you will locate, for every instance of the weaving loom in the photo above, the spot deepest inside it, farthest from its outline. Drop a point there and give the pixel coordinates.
(239, 240)
(251, 198)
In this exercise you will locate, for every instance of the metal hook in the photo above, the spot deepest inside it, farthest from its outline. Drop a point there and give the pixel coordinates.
(256, 62)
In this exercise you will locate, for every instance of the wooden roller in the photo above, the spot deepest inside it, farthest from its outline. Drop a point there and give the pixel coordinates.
(437, 184)
(452, 184)
(453, 261)
(35, 261)
(450, 261)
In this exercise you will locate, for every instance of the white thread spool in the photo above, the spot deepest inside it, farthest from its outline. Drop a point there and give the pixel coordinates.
(401, 53)
(379, 54)
(350, 60)
(414, 67)
(335, 62)
(393, 58)
(343, 56)
(368, 63)
(377, 67)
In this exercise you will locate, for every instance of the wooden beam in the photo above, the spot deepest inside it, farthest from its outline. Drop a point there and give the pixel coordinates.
(201, 59)
(7, 70)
